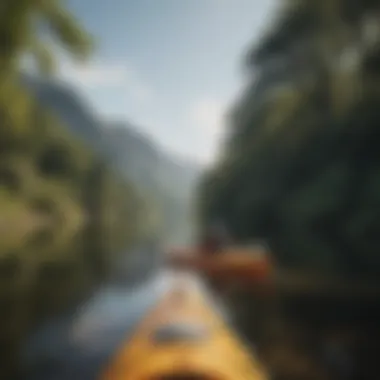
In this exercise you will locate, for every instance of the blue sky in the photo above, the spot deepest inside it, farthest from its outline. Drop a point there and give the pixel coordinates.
(171, 67)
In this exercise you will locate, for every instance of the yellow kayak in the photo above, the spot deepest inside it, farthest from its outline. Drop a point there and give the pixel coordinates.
(183, 338)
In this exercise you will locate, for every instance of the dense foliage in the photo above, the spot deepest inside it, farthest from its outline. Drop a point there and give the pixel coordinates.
(301, 170)
(301, 165)
(63, 211)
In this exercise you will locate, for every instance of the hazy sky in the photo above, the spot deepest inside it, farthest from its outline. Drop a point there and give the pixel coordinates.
(171, 67)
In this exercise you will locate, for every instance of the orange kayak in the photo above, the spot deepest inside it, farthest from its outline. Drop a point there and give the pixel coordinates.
(183, 338)
(246, 265)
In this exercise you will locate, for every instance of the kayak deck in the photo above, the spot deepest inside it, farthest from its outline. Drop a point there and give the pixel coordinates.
(205, 348)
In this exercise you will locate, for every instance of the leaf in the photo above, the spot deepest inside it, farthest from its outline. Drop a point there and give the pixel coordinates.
(67, 29)
(43, 56)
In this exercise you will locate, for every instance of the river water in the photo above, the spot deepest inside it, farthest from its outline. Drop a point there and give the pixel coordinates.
(79, 344)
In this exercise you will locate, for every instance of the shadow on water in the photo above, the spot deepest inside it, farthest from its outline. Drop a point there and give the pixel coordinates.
(78, 345)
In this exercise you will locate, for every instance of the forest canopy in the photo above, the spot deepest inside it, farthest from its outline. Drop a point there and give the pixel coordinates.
(301, 166)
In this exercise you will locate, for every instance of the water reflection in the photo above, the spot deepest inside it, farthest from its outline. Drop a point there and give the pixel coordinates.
(79, 344)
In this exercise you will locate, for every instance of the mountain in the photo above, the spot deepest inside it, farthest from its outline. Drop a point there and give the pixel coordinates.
(167, 180)
(146, 163)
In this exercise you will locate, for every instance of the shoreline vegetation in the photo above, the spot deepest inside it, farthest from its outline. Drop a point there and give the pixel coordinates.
(64, 211)
(300, 171)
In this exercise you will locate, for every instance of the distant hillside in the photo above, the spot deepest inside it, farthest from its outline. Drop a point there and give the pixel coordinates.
(166, 179)
(142, 160)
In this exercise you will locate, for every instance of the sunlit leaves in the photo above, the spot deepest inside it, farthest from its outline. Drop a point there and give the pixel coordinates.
(43, 56)
(21, 33)
(66, 28)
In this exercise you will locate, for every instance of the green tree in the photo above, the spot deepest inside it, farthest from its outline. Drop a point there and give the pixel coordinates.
(303, 140)
(30, 28)
(22, 31)
(301, 171)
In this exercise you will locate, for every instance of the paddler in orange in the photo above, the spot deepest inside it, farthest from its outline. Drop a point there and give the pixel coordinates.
(226, 266)
(214, 240)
